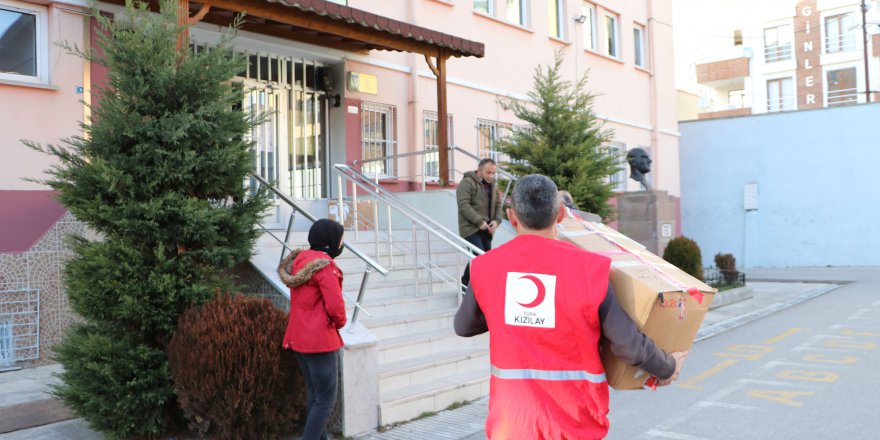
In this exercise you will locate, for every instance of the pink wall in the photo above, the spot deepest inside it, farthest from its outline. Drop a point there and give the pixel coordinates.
(512, 52)
(44, 115)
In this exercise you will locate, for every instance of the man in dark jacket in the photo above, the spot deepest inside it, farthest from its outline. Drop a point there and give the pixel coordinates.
(479, 208)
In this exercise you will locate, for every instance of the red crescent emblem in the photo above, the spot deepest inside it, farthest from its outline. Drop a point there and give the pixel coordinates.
(542, 291)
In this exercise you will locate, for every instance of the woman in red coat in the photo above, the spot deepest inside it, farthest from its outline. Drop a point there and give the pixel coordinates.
(317, 312)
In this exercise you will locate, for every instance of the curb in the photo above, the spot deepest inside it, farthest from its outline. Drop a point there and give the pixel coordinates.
(731, 296)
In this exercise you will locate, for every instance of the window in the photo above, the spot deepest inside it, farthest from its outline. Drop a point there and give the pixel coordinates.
(737, 99)
(589, 11)
(612, 47)
(484, 6)
(516, 11)
(841, 87)
(378, 137)
(737, 37)
(639, 45)
(617, 150)
(488, 135)
(23, 47)
(780, 95)
(555, 10)
(432, 136)
(777, 43)
(840, 33)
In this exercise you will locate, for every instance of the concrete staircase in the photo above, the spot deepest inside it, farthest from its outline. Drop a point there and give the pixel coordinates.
(422, 365)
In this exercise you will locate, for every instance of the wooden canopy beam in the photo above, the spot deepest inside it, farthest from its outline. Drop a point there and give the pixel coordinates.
(284, 14)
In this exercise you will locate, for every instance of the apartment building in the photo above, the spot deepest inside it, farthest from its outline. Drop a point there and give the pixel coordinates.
(787, 55)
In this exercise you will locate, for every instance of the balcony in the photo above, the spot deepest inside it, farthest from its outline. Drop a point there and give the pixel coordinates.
(842, 97)
(725, 112)
(727, 68)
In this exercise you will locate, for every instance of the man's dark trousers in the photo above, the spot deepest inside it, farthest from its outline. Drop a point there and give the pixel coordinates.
(482, 240)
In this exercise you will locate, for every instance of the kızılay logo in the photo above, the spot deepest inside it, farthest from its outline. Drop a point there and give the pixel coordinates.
(530, 300)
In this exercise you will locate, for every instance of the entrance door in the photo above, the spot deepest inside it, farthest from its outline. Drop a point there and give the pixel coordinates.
(265, 108)
(308, 160)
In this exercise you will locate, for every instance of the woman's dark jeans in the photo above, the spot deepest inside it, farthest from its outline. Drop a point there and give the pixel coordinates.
(321, 373)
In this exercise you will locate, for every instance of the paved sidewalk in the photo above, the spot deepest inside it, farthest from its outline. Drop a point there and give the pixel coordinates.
(465, 423)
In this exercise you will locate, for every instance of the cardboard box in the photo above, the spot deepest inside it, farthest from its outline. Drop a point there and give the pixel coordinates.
(366, 208)
(666, 303)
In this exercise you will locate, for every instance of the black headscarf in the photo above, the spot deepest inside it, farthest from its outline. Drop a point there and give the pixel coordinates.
(325, 235)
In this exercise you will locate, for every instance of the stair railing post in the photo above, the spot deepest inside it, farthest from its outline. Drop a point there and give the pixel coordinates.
(287, 234)
(415, 256)
(360, 297)
(354, 209)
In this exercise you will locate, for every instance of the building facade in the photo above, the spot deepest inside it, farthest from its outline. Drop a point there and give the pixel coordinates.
(788, 55)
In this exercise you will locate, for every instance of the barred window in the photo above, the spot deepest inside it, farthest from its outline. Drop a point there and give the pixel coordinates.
(617, 150)
(432, 139)
(378, 137)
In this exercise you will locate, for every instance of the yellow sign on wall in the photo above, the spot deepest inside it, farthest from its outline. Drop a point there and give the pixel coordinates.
(364, 83)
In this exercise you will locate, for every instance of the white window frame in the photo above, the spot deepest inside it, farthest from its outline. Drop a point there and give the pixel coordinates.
(42, 37)
(848, 98)
(490, 7)
(431, 117)
(846, 40)
(559, 18)
(778, 51)
(589, 32)
(389, 142)
(496, 128)
(639, 42)
(612, 36)
(618, 149)
(785, 103)
(523, 19)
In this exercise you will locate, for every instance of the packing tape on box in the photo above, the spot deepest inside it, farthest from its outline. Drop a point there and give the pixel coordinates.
(692, 291)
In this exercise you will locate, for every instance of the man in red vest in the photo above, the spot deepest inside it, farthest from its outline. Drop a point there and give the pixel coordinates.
(546, 303)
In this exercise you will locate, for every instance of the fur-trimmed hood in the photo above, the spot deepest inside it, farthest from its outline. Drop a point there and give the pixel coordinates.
(304, 274)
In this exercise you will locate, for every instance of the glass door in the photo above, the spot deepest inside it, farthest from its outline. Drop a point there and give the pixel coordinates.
(307, 161)
(264, 105)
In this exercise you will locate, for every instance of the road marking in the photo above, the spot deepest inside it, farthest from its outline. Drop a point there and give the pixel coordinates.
(851, 332)
(838, 326)
(811, 376)
(674, 435)
(746, 351)
(691, 383)
(817, 357)
(773, 383)
(788, 333)
(847, 344)
(727, 406)
(786, 397)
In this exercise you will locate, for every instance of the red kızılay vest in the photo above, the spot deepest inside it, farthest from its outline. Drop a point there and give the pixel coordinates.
(541, 300)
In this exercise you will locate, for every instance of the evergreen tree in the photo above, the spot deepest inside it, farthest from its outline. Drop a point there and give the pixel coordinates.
(159, 176)
(564, 140)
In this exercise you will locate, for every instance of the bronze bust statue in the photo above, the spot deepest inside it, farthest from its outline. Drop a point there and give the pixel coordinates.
(639, 165)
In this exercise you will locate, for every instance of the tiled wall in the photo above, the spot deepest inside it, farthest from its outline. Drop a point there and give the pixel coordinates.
(41, 268)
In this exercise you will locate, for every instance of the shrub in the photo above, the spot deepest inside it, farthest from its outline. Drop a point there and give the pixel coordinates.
(726, 264)
(684, 253)
(157, 173)
(233, 379)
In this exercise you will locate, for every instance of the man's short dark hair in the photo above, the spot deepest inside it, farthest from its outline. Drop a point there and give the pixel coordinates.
(483, 162)
(535, 201)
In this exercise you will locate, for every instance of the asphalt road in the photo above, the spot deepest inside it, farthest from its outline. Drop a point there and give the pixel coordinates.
(807, 372)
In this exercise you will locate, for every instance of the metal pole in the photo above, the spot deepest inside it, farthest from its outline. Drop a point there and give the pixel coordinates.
(354, 209)
(430, 272)
(416, 256)
(354, 315)
(376, 227)
(390, 239)
(340, 207)
(287, 235)
(865, 41)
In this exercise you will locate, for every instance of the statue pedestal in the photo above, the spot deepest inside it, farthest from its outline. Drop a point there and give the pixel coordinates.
(648, 217)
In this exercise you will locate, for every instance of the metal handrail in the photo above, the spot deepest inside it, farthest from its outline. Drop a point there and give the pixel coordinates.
(371, 264)
(359, 179)
(501, 170)
(366, 259)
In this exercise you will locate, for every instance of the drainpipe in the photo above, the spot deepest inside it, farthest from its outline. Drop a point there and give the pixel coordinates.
(415, 61)
(653, 84)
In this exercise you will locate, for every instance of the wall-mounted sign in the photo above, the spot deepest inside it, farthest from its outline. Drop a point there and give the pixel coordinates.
(363, 83)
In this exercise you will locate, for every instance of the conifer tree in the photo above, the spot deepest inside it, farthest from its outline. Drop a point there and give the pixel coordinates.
(564, 139)
(159, 174)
